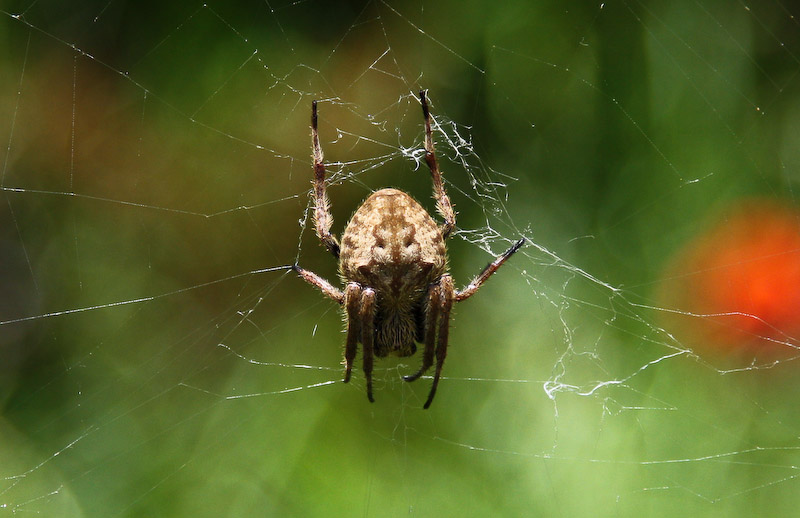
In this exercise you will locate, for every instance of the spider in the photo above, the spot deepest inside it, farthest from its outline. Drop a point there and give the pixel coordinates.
(393, 263)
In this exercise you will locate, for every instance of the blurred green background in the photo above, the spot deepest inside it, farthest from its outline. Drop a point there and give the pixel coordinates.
(157, 358)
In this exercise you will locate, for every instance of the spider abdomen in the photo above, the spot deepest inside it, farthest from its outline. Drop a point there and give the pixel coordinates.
(392, 244)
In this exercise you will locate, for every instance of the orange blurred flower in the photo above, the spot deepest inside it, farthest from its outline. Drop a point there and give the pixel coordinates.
(739, 281)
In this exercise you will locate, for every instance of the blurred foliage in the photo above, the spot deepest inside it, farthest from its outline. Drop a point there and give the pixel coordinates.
(157, 154)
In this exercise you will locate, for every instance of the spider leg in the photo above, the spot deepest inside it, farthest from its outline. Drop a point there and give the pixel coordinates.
(352, 298)
(443, 205)
(431, 316)
(446, 303)
(367, 323)
(324, 286)
(322, 214)
(487, 272)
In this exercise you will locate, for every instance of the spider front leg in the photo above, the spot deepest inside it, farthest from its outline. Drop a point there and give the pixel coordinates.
(352, 301)
(367, 323)
(447, 296)
(443, 205)
(322, 214)
(431, 317)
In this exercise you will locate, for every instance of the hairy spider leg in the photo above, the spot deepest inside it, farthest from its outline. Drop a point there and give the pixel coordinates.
(322, 214)
(443, 205)
(487, 272)
(431, 317)
(447, 297)
(352, 299)
(324, 286)
(367, 318)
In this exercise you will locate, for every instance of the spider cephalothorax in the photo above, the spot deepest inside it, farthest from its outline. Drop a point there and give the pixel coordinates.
(393, 262)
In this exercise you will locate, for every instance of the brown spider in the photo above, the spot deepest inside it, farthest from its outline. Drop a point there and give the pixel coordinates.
(393, 263)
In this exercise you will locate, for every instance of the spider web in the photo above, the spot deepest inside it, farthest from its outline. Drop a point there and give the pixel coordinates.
(158, 356)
